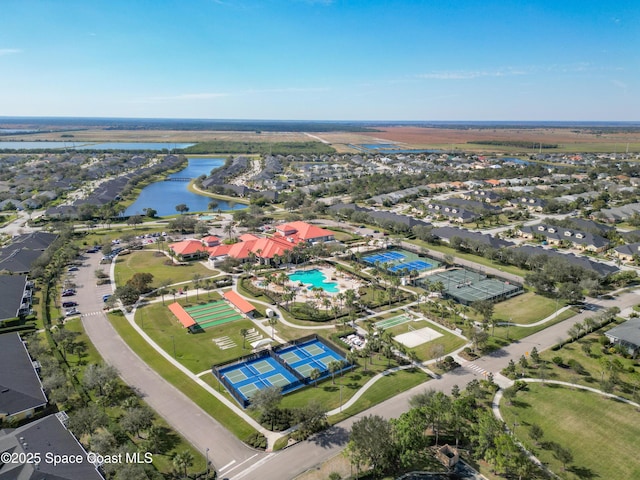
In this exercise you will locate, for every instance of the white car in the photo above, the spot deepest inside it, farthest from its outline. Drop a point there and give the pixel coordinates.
(72, 311)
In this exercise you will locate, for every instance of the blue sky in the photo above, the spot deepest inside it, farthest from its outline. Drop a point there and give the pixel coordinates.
(322, 59)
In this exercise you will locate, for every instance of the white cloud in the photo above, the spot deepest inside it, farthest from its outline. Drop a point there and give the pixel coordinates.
(9, 51)
(289, 90)
(471, 74)
(183, 97)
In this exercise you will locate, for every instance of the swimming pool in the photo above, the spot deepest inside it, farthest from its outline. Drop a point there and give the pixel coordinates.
(315, 278)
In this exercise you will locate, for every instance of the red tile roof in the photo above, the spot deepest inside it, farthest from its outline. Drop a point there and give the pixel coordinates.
(183, 316)
(187, 247)
(238, 301)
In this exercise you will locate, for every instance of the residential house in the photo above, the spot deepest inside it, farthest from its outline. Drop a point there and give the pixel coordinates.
(49, 438)
(21, 394)
(626, 253)
(15, 296)
(627, 335)
(558, 236)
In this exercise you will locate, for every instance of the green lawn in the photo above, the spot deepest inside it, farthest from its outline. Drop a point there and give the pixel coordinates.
(600, 433)
(155, 264)
(196, 351)
(523, 309)
(592, 368)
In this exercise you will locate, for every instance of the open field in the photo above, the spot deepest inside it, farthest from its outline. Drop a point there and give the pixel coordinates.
(570, 139)
(599, 432)
(154, 263)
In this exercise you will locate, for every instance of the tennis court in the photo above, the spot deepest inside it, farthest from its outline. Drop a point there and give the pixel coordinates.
(309, 356)
(384, 257)
(392, 322)
(417, 265)
(253, 375)
(467, 287)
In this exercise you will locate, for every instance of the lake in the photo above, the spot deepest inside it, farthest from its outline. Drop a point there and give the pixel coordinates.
(163, 196)
(156, 146)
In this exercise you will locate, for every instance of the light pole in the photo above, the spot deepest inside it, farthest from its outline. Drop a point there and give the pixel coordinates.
(340, 395)
(207, 454)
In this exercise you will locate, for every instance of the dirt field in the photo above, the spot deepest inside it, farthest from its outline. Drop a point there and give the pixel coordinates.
(567, 139)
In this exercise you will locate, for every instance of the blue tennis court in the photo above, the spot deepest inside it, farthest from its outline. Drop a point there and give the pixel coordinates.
(309, 356)
(417, 265)
(384, 257)
(257, 374)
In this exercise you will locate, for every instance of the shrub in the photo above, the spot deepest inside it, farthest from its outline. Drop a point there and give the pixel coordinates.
(557, 360)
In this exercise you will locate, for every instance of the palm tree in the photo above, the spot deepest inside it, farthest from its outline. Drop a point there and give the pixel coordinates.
(244, 332)
(196, 283)
(182, 461)
(333, 367)
(273, 321)
(314, 375)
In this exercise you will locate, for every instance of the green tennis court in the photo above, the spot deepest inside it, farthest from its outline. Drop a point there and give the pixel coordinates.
(278, 380)
(305, 369)
(392, 322)
(263, 367)
(248, 390)
(235, 376)
(326, 360)
(290, 357)
(313, 350)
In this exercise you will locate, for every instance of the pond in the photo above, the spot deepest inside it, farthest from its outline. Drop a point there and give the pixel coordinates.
(164, 196)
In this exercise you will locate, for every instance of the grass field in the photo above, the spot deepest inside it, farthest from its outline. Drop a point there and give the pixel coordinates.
(600, 433)
(591, 368)
(153, 263)
(196, 351)
(524, 309)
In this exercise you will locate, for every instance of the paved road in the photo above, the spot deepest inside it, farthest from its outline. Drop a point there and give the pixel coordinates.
(202, 431)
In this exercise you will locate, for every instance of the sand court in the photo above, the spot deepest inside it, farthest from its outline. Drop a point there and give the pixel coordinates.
(413, 338)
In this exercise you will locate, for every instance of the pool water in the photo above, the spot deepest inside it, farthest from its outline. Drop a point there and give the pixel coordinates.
(316, 278)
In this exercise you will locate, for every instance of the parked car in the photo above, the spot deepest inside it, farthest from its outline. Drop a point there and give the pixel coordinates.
(106, 297)
(72, 269)
(71, 311)
(68, 293)
(69, 304)
(93, 250)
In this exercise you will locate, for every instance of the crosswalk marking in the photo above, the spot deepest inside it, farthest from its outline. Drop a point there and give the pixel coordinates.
(89, 314)
(476, 368)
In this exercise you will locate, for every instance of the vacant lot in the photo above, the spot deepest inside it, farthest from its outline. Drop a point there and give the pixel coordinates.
(600, 433)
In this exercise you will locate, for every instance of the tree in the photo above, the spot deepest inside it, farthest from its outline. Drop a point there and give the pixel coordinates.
(536, 433)
(212, 205)
(182, 208)
(127, 294)
(409, 431)
(150, 212)
(267, 402)
(485, 309)
(182, 461)
(244, 332)
(334, 366)
(135, 220)
(315, 375)
(87, 420)
(371, 440)
(273, 321)
(99, 376)
(136, 419)
(141, 282)
(563, 454)
(311, 418)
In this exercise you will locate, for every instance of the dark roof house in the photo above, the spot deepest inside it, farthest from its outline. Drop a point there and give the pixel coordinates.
(20, 388)
(49, 438)
(13, 289)
(24, 250)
